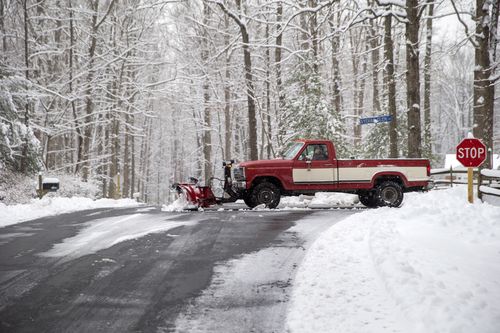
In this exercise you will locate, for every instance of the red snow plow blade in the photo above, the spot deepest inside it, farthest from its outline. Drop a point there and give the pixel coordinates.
(199, 196)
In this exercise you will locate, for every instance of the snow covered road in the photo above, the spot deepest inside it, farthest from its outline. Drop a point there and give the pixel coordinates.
(140, 269)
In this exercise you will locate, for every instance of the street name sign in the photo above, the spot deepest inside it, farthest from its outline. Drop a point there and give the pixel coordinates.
(375, 120)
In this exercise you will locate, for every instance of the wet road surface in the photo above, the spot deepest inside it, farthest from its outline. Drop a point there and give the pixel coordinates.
(226, 271)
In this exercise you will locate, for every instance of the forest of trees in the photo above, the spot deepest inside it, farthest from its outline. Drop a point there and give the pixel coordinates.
(158, 90)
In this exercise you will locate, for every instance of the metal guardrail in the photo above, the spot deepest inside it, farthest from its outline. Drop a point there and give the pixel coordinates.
(487, 181)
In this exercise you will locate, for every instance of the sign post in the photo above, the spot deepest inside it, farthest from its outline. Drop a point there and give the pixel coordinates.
(471, 153)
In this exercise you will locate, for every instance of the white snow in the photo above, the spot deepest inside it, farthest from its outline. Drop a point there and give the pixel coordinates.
(37, 208)
(489, 190)
(319, 200)
(490, 173)
(50, 180)
(103, 233)
(177, 205)
(431, 266)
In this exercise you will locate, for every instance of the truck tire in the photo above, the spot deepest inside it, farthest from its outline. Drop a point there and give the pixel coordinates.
(369, 199)
(249, 202)
(389, 194)
(267, 194)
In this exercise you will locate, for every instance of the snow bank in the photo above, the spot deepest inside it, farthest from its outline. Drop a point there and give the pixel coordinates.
(53, 206)
(178, 205)
(320, 199)
(490, 173)
(16, 188)
(431, 266)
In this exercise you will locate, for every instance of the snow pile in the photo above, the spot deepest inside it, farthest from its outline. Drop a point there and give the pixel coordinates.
(104, 233)
(53, 206)
(431, 266)
(178, 205)
(319, 200)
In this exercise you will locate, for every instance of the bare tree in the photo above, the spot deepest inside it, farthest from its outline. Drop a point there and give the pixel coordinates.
(247, 59)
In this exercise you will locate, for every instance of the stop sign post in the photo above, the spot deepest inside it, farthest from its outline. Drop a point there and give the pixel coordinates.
(471, 153)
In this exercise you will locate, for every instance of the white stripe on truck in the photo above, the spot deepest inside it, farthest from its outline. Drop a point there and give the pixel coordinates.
(361, 174)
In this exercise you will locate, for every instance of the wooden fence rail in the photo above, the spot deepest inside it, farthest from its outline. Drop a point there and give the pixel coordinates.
(487, 180)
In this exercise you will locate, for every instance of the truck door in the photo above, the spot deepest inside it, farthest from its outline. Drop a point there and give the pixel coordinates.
(314, 166)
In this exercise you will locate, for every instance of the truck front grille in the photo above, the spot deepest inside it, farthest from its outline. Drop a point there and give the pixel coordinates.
(239, 173)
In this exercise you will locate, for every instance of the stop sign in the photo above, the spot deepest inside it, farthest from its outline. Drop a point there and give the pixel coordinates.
(471, 153)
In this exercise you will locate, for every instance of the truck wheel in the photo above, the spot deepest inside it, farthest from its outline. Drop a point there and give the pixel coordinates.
(389, 194)
(249, 202)
(267, 194)
(368, 199)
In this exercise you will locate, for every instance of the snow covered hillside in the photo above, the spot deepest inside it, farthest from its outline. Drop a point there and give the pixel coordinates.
(11, 214)
(431, 266)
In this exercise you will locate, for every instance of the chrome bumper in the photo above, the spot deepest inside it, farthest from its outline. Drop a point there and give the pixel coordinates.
(240, 185)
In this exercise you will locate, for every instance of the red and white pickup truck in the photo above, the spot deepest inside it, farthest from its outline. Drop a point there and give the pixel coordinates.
(311, 166)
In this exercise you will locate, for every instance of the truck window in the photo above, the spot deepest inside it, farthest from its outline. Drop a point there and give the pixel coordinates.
(317, 152)
(292, 151)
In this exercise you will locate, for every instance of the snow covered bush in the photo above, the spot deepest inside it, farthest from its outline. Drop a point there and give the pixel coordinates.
(18, 188)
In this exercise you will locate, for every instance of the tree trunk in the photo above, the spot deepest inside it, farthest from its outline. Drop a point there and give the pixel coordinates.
(413, 79)
(252, 121)
(227, 96)
(279, 80)
(374, 46)
(76, 124)
(268, 129)
(427, 149)
(247, 60)
(313, 28)
(24, 157)
(336, 78)
(126, 159)
(207, 119)
(484, 90)
(391, 87)
(89, 104)
(2, 29)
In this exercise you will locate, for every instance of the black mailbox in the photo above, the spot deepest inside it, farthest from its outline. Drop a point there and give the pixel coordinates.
(50, 184)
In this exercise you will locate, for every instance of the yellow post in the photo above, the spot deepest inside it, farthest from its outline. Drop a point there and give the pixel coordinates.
(470, 189)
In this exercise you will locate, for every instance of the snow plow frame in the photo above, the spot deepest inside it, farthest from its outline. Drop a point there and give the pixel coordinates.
(203, 196)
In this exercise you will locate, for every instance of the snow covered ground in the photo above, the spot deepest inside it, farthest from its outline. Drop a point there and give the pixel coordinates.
(319, 200)
(11, 214)
(431, 266)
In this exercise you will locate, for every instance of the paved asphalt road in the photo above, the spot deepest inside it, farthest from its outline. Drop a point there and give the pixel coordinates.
(182, 280)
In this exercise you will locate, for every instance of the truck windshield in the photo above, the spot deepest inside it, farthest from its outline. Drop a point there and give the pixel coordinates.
(292, 151)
